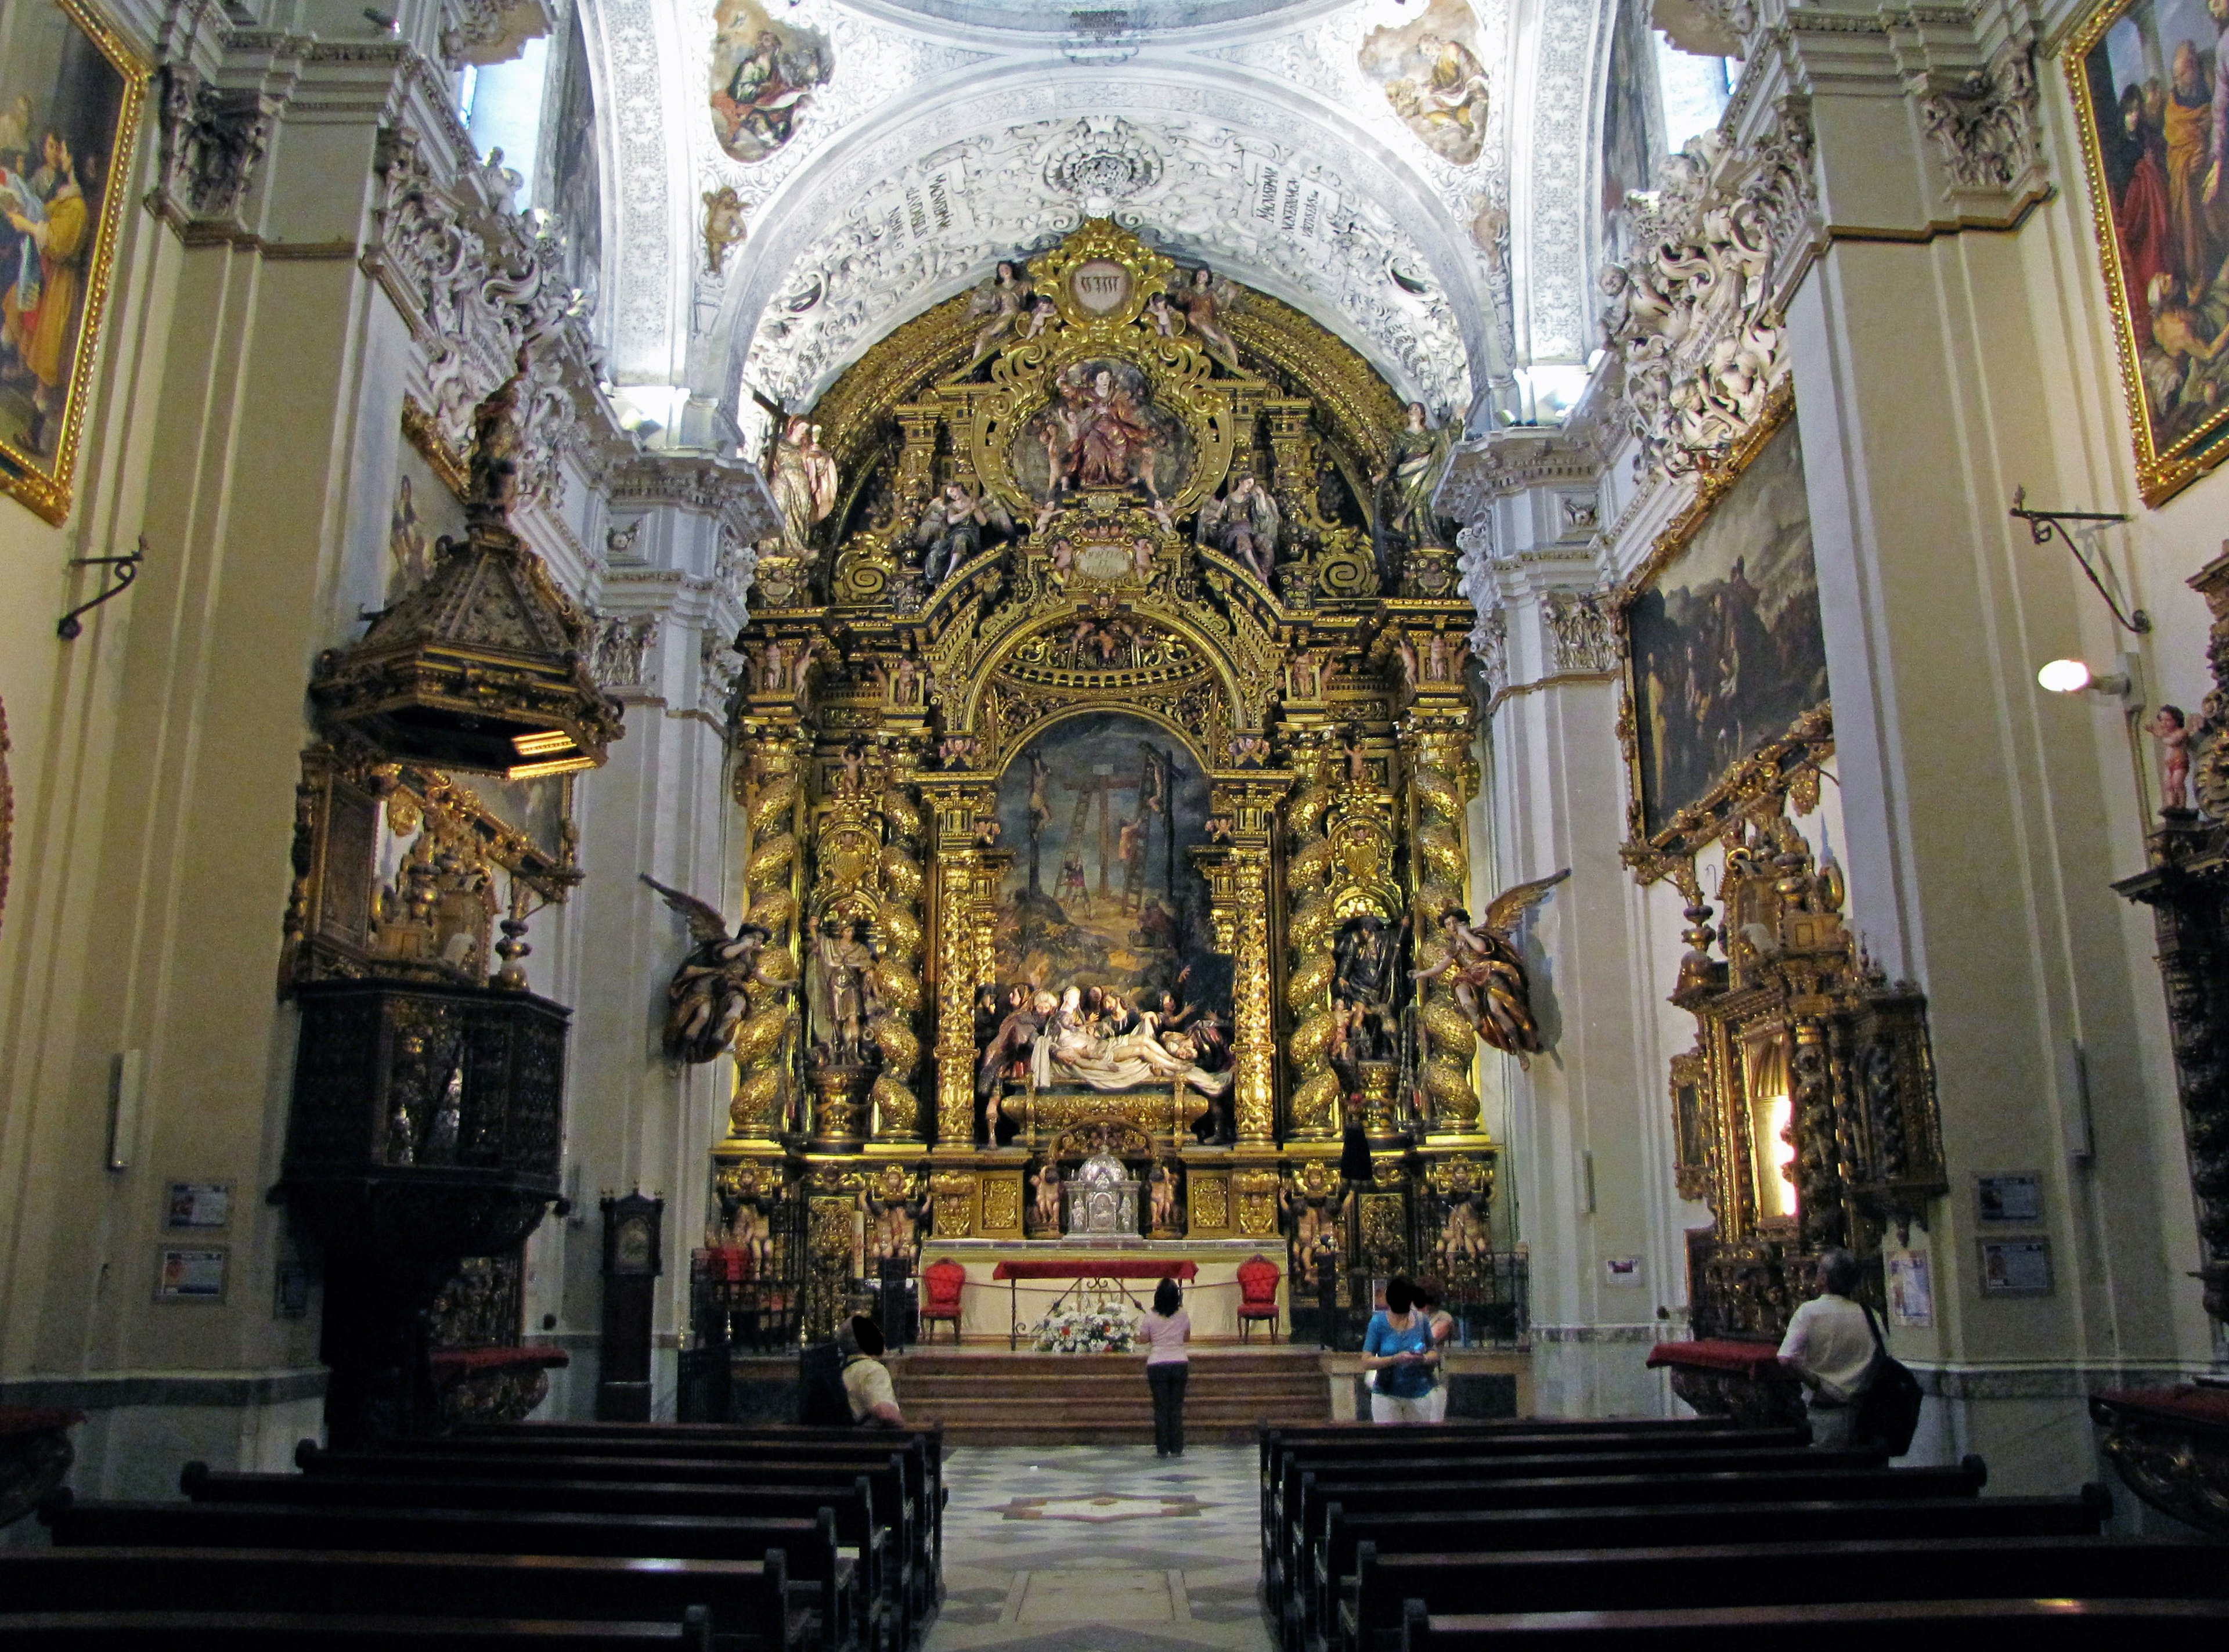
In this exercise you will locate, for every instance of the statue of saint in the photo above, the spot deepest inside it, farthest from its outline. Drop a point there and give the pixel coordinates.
(804, 480)
(841, 991)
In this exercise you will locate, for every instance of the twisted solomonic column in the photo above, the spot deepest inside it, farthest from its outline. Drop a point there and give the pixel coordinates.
(1441, 780)
(763, 1043)
(1308, 933)
(898, 972)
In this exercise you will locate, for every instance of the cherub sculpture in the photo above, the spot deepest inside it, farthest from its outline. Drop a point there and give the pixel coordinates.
(745, 1222)
(2172, 730)
(1484, 968)
(893, 1220)
(710, 993)
(1046, 1204)
(1161, 1194)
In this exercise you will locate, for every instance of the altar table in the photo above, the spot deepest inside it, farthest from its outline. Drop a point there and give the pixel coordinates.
(1046, 1270)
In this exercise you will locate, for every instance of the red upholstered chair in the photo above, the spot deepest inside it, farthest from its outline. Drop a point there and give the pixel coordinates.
(1257, 1294)
(943, 1278)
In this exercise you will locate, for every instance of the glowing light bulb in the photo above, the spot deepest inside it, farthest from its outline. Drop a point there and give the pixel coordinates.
(2065, 676)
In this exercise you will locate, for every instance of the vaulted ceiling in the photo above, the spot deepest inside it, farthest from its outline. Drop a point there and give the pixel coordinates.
(1413, 174)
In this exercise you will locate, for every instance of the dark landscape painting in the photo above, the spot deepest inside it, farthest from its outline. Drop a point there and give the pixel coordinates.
(1726, 647)
(1101, 812)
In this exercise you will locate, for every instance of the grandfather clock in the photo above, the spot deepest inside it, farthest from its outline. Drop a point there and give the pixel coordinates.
(632, 1236)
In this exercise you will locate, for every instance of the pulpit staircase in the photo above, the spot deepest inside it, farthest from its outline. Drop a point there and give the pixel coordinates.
(994, 1398)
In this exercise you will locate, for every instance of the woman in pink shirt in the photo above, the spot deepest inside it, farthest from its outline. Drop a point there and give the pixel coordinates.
(1168, 1366)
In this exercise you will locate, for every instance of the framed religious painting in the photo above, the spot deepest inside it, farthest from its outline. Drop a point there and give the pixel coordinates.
(1725, 664)
(70, 100)
(2142, 74)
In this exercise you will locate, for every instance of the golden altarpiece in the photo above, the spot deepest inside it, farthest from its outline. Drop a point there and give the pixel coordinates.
(1104, 753)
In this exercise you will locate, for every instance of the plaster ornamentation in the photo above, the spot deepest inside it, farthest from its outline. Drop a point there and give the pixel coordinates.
(1986, 124)
(1579, 633)
(1552, 260)
(1694, 316)
(1258, 207)
(640, 266)
(482, 32)
(1489, 645)
(622, 648)
(1102, 159)
(1706, 27)
(483, 290)
(722, 667)
(212, 138)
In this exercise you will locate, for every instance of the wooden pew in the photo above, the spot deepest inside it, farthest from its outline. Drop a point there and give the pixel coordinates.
(886, 1475)
(922, 1447)
(1309, 1572)
(888, 1621)
(1424, 1532)
(816, 1564)
(747, 1600)
(2054, 1624)
(1287, 1454)
(1767, 1574)
(185, 1631)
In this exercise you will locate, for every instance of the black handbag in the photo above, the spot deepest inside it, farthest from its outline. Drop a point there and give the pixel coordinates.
(1888, 1409)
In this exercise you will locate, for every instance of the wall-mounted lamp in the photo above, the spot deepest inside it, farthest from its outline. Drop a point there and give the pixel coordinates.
(2042, 525)
(2075, 677)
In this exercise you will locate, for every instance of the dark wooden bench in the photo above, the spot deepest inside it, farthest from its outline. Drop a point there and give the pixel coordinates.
(1426, 1531)
(748, 1601)
(1288, 1454)
(886, 1475)
(817, 1570)
(887, 1621)
(1766, 1574)
(185, 1631)
(1307, 1571)
(923, 1448)
(2054, 1624)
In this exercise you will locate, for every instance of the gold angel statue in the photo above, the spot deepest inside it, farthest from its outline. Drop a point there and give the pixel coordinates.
(710, 993)
(1486, 972)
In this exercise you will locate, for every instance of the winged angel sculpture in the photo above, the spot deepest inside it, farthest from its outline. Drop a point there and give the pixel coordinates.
(710, 994)
(1488, 975)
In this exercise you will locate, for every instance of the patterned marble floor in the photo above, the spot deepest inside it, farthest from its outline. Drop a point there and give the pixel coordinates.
(1101, 1549)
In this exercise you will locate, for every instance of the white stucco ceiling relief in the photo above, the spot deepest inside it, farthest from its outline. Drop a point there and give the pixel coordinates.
(1351, 158)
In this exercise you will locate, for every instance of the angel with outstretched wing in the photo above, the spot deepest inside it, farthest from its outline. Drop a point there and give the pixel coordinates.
(1484, 969)
(709, 993)
(1205, 300)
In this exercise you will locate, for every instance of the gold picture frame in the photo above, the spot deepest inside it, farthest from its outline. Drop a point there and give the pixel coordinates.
(2142, 185)
(71, 88)
(1786, 761)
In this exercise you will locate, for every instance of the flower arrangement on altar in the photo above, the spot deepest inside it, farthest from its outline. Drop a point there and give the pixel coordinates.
(1085, 1330)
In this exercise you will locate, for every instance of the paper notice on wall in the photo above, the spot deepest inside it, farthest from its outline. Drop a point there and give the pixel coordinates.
(1911, 1289)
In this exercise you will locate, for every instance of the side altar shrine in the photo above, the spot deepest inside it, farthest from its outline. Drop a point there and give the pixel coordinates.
(1104, 753)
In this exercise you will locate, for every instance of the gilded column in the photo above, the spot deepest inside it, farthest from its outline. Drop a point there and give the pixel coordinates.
(1315, 1107)
(898, 972)
(955, 804)
(1435, 745)
(769, 786)
(1240, 885)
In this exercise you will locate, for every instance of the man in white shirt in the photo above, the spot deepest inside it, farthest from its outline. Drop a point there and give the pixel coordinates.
(1830, 1346)
(867, 1383)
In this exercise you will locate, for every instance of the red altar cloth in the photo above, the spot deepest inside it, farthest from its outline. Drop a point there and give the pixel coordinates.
(1757, 1361)
(1112, 1267)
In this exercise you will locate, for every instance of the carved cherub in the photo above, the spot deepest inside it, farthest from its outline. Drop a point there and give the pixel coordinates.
(1161, 1193)
(2172, 730)
(709, 993)
(893, 1220)
(1046, 1183)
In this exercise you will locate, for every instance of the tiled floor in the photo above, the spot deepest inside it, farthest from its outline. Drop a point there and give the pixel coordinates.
(1101, 1549)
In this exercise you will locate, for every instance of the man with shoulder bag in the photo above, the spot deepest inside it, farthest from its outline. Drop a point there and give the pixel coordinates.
(1831, 1346)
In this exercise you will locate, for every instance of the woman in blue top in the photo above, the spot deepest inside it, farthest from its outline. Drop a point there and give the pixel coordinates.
(1398, 1346)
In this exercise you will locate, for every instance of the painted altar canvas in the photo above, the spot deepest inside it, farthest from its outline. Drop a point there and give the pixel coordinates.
(1726, 643)
(1102, 811)
(67, 112)
(2143, 77)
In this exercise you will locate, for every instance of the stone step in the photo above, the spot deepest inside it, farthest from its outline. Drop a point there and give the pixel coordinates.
(993, 1397)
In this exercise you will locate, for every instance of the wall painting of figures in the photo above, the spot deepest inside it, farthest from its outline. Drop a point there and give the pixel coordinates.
(1433, 78)
(764, 75)
(1725, 656)
(70, 96)
(2143, 74)
(1105, 912)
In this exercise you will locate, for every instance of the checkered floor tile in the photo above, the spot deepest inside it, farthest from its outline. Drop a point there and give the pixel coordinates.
(1101, 1549)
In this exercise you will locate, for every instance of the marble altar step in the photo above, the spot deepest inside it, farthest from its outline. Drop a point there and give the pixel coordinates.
(994, 1398)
